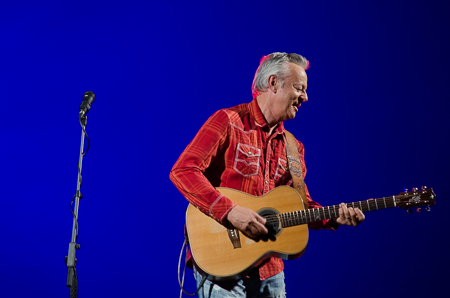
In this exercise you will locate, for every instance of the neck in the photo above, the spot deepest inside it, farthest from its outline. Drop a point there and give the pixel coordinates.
(263, 101)
(299, 217)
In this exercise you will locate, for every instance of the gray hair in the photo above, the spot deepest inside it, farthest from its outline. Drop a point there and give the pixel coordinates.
(275, 64)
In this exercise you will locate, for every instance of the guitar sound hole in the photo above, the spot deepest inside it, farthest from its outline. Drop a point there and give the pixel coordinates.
(272, 223)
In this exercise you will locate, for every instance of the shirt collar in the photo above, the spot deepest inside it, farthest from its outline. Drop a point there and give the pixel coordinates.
(259, 119)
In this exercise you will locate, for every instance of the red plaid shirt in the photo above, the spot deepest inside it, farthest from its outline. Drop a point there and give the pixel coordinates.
(234, 149)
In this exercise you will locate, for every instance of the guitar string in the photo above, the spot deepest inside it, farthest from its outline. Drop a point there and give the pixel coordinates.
(302, 214)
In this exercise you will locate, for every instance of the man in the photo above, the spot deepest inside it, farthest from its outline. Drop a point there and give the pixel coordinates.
(244, 148)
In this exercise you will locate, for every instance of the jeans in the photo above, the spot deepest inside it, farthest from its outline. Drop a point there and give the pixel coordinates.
(251, 286)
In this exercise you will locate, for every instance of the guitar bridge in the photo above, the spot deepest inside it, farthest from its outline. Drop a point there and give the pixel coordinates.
(234, 237)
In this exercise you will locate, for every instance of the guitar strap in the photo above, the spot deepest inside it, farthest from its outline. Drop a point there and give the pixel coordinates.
(295, 166)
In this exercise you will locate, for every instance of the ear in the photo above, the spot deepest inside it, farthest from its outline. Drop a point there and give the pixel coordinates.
(274, 83)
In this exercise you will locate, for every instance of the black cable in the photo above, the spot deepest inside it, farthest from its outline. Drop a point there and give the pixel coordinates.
(179, 282)
(73, 213)
(89, 142)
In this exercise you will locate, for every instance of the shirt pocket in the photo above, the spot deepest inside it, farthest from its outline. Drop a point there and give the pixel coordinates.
(282, 174)
(281, 168)
(246, 161)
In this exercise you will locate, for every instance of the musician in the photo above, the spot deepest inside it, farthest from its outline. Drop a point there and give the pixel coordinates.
(244, 148)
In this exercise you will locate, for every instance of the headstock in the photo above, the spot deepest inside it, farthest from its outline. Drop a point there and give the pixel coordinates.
(416, 198)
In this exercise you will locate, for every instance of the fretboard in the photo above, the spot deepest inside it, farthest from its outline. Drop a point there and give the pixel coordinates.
(300, 217)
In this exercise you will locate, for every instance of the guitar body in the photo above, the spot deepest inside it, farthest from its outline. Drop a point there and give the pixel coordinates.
(212, 247)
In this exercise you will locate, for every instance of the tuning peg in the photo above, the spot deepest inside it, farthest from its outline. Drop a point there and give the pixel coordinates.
(414, 189)
(405, 190)
(418, 209)
(409, 211)
(423, 187)
(428, 208)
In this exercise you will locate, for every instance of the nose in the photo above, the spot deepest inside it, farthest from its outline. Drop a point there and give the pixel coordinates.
(303, 97)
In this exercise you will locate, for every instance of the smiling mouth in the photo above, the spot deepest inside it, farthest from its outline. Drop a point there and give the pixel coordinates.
(296, 108)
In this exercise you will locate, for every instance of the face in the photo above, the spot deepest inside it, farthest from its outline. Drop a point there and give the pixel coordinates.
(288, 98)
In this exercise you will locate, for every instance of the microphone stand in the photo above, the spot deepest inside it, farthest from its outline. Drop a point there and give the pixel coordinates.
(71, 260)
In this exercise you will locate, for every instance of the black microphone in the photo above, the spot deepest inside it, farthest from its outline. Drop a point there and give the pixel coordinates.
(88, 99)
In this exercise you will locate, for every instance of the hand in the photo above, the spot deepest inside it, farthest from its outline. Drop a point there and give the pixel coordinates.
(247, 221)
(349, 216)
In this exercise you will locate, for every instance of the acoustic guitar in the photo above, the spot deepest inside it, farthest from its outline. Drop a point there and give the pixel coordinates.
(227, 254)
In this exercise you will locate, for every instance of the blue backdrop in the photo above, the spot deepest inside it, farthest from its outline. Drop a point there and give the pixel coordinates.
(376, 122)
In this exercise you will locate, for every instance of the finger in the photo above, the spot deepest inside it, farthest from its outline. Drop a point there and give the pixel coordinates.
(345, 212)
(341, 218)
(351, 212)
(342, 209)
(359, 215)
(260, 218)
(350, 217)
(261, 229)
(252, 230)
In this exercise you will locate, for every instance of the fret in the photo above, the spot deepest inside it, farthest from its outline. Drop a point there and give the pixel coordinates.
(384, 200)
(376, 203)
(395, 203)
(368, 205)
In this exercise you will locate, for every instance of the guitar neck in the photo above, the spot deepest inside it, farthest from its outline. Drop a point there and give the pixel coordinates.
(300, 217)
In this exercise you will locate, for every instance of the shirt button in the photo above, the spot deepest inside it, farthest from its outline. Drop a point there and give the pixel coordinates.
(249, 153)
(266, 182)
